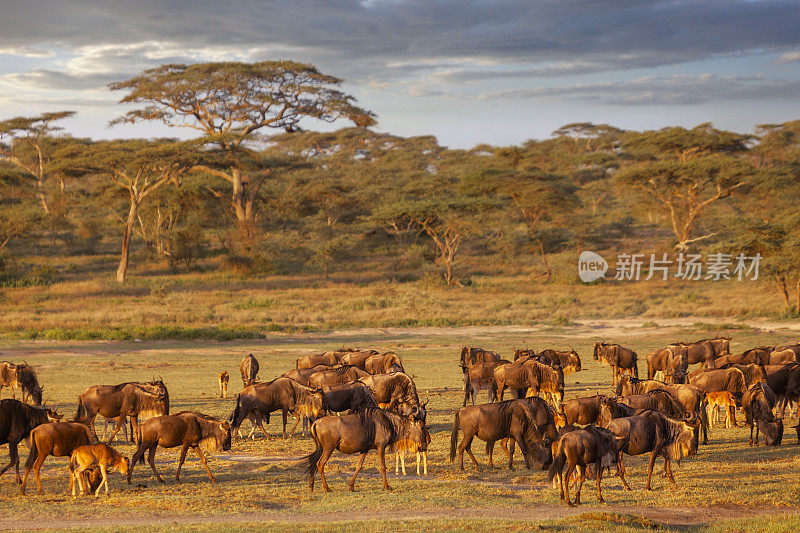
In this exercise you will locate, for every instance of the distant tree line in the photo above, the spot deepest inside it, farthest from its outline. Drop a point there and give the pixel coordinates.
(257, 188)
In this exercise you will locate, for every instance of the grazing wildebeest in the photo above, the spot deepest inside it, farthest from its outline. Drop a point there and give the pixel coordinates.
(516, 419)
(101, 456)
(478, 377)
(577, 449)
(581, 411)
(404, 445)
(784, 380)
(356, 357)
(569, 361)
(782, 357)
(302, 376)
(532, 376)
(396, 392)
(29, 383)
(384, 363)
(186, 429)
(327, 358)
(351, 397)
(131, 400)
(655, 433)
(758, 402)
(471, 355)
(17, 420)
(618, 358)
(249, 370)
(282, 394)
(370, 429)
(340, 374)
(58, 439)
(223, 379)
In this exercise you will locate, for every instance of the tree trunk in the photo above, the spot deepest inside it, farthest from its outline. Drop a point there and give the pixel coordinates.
(238, 200)
(797, 295)
(784, 290)
(547, 272)
(126, 240)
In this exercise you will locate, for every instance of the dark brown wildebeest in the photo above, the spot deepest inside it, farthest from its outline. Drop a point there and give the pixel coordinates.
(29, 383)
(356, 357)
(370, 429)
(532, 376)
(754, 356)
(223, 379)
(794, 347)
(17, 420)
(758, 402)
(727, 379)
(131, 400)
(655, 433)
(752, 373)
(302, 376)
(706, 350)
(527, 422)
(480, 376)
(326, 358)
(581, 411)
(249, 369)
(340, 374)
(578, 449)
(471, 355)
(784, 380)
(259, 400)
(610, 409)
(351, 397)
(569, 361)
(396, 392)
(782, 357)
(384, 363)
(618, 358)
(657, 400)
(186, 429)
(405, 444)
(58, 439)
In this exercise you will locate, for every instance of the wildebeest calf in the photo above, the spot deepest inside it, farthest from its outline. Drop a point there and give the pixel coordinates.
(101, 456)
(223, 379)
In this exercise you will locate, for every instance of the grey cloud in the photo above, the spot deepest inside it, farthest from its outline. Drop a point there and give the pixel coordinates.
(52, 79)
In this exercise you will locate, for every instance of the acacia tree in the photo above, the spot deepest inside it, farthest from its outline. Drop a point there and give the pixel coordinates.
(683, 172)
(229, 102)
(26, 143)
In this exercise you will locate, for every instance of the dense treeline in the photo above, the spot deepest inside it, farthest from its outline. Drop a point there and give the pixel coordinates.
(257, 193)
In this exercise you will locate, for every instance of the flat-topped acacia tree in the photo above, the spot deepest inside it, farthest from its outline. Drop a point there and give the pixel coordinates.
(228, 102)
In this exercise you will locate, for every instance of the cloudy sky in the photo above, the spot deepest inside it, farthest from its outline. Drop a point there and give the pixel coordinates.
(467, 71)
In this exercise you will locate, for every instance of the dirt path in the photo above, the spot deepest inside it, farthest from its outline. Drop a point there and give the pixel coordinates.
(670, 516)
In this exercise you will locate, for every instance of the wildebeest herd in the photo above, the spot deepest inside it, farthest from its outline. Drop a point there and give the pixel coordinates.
(355, 401)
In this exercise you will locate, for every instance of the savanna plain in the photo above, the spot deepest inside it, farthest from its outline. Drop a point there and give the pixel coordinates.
(728, 485)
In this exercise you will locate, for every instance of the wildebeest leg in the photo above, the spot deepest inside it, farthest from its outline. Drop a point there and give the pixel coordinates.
(352, 485)
(501, 391)
(184, 449)
(104, 473)
(504, 444)
(582, 473)
(151, 458)
(668, 469)
(650, 467)
(467, 392)
(326, 454)
(732, 409)
(36, 466)
(205, 463)
(599, 467)
(13, 453)
(297, 417)
(565, 482)
(621, 472)
(490, 452)
(756, 425)
(284, 412)
(119, 422)
(134, 420)
(382, 453)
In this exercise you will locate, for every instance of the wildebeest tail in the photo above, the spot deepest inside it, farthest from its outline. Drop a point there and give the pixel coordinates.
(312, 459)
(558, 463)
(236, 412)
(34, 452)
(80, 414)
(454, 437)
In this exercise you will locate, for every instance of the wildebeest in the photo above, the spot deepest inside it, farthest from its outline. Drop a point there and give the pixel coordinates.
(569, 361)
(577, 449)
(784, 380)
(17, 420)
(752, 372)
(706, 350)
(249, 369)
(581, 411)
(729, 379)
(22, 377)
(302, 376)
(478, 377)
(356, 357)
(8, 377)
(471, 355)
(758, 402)
(370, 429)
(58, 439)
(186, 429)
(794, 347)
(327, 358)
(223, 379)
(529, 375)
(655, 433)
(404, 445)
(618, 358)
(101, 456)
(659, 400)
(722, 399)
(672, 362)
(261, 399)
(782, 357)
(341, 374)
(610, 409)
(351, 397)
(526, 421)
(384, 363)
(131, 400)
(396, 392)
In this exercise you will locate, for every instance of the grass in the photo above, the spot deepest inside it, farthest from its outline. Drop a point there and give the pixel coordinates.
(260, 480)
